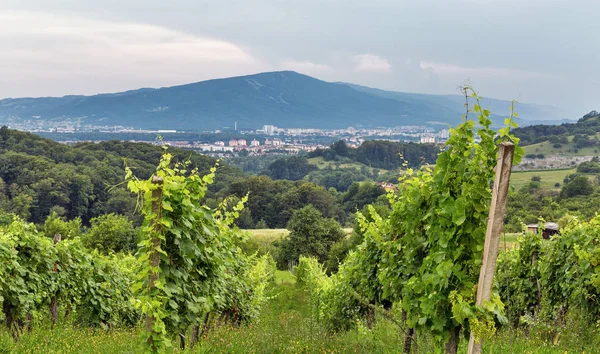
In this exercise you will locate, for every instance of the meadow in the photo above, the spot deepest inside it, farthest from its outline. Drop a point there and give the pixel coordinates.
(547, 148)
(322, 164)
(549, 178)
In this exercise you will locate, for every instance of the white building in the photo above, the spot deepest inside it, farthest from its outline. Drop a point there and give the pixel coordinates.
(255, 142)
(213, 148)
(241, 142)
(219, 143)
(427, 139)
(270, 129)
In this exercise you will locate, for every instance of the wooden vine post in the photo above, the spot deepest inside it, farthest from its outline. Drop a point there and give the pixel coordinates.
(156, 240)
(494, 228)
(54, 302)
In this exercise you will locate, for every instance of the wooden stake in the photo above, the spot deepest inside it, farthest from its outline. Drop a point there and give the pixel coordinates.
(54, 301)
(155, 256)
(494, 228)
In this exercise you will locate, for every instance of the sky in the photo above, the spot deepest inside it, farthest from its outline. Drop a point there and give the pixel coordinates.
(536, 51)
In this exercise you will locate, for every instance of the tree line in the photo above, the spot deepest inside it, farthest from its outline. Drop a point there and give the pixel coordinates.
(40, 177)
(381, 153)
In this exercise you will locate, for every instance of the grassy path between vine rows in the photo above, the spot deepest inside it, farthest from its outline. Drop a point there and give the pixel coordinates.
(286, 325)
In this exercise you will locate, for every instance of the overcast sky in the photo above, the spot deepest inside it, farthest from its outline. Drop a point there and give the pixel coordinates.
(539, 51)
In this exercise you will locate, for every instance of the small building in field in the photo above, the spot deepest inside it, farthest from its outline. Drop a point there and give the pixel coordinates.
(550, 229)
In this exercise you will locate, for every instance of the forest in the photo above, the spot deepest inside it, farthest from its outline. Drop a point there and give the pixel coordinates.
(40, 177)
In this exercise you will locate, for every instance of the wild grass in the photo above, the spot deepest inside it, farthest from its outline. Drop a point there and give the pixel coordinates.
(287, 325)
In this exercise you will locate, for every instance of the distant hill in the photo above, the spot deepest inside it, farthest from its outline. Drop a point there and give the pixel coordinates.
(284, 99)
(528, 113)
(582, 132)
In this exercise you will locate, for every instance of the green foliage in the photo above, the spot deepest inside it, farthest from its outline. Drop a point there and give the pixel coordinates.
(274, 202)
(292, 168)
(362, 194)
(341, 179)
(111, 233)
(56, 225)
(580, 185)
(432, 253)
(354, 292)
(36, 272)
(569, 265)
(426, 255)
(381, 153)
(39, 176)
(588, 167)
(107, 298)
(549, 281)
(26, 275)
(557, 134)
(189, 261)
(517, 276)
(336, 256)
(288, 325)
(310, 235)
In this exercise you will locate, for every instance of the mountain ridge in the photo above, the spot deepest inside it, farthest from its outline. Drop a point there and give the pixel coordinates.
(283, 98)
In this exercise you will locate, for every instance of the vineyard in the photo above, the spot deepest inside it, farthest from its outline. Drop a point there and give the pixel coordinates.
(409, 286)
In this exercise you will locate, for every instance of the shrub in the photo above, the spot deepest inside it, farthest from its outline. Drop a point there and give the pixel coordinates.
(111, 233)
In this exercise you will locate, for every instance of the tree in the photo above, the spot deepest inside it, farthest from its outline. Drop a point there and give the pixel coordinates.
(340, 148)
(111, 233)
(293, 168)
(580, 185)
(310, 235)
(361, 194)
(588, 167)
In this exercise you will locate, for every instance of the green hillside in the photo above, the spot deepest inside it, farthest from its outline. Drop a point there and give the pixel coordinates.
(584, 130)
(568, 149)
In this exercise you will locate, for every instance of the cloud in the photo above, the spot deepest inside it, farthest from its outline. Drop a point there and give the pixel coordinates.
(371, 63)
(445, 69)
(42, 48)
(306, 67)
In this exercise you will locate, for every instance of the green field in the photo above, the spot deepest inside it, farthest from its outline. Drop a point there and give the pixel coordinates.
(272, 235)
(547, 148)
(549, 177)
(321, 164)
(268, 235)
